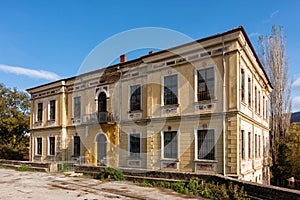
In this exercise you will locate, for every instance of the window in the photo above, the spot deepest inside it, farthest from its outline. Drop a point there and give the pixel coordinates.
(255, 99)
(249, 145)
(267, 110)
(52, 110)
(206, 144)
(263, 108)
(77, 107)
(135, 97)
(259, 151)
(134, 145)
(249, 91)
(76, 146)
(255, 146)
(39, 146)
(170, 90)
(51, 145)
(206, 84)
(259, 112)
(170, 142)
(40, 112)
(243, 85)
(243, 144)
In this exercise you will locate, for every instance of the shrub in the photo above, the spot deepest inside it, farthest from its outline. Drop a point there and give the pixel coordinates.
(110, 173)
(199, 187)
(24, 168)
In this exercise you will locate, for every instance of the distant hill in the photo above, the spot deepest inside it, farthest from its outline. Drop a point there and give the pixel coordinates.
(295, 117)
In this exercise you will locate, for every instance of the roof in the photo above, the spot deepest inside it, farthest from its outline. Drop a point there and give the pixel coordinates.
(115, 66)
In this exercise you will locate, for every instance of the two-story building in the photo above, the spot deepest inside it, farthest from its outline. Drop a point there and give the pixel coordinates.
(201, 107)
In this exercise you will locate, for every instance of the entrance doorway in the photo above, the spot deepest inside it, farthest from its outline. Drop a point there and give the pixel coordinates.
(101, 149)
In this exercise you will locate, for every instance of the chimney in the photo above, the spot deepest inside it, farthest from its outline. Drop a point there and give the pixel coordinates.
(122, 58)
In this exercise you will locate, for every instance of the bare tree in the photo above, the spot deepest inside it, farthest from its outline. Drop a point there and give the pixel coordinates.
(274, 58)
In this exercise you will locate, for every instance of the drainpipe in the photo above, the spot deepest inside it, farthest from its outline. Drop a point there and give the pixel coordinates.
(32, 148)
(120, 113)
(239, 109)
(223, 108)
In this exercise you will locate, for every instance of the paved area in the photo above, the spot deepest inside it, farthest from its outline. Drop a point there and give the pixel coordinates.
(44, 186)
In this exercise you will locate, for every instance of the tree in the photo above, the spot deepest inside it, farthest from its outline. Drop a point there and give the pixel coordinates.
(14, 122)
(273, 56)
(293, 145)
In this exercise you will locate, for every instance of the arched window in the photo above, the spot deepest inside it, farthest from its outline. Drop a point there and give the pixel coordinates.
(102, 104)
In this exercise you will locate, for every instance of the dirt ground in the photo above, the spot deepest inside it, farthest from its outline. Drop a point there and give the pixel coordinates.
(44, 186)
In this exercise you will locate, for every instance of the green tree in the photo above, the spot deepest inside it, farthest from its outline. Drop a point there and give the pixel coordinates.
(274, 58)
(14, 122)
(293, 145)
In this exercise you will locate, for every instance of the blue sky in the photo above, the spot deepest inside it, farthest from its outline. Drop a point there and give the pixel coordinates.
(43, 40)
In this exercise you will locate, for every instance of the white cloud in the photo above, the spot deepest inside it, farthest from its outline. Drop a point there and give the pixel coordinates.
(254, 34)
(296, 83)
(39, 74)
(296, 103)
(274, 13)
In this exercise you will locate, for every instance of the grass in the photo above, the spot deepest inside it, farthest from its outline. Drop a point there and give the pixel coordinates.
(199, 187)
(24, 168)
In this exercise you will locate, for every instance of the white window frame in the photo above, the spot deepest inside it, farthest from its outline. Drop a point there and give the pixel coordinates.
(243, 77)
(129, 95)
(196, 145)
(48, 109)
(73, 106)
(37, 111)
(196, 82)
(36, 146)
(48, 145)
(73, 144)
(163, 146)
(128, 145)
(163, 88)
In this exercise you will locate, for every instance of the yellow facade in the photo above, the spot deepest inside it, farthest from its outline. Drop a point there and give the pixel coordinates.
(185, 109)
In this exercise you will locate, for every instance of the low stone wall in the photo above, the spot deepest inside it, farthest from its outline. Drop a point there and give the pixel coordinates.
(254, 190)
(48, 167)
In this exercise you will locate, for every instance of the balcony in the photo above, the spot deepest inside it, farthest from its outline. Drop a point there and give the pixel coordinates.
(98, 117)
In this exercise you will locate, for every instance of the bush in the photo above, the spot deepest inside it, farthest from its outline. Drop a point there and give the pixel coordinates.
(24, 168)
(110, 173)
(199, 187)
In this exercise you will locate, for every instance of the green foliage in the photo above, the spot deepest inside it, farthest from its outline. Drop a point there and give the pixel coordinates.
(110, 173)
(199, 187)
(24, 168)
(14, 123)
(293, 149)
(63, 167)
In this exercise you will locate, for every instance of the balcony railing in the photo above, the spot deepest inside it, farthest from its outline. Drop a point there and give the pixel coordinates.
(100, 117)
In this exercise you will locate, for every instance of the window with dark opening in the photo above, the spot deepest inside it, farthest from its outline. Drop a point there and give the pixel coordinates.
(51, 145)
(39, 146)
(206, 84)
(170, 144)
(52, 110)
(135, 97)
(170, 90)
(135, 145)
(206, 144)
(40, 112)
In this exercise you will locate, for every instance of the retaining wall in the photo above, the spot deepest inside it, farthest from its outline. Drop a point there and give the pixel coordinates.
(254, 190)
(40, 166)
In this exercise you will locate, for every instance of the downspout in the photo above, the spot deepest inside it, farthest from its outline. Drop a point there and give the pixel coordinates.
(120, 112)
(32, 148)
(239, 109)
(223, 108)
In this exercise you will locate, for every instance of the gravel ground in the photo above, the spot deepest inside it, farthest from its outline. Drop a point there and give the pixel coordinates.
(44, 186)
